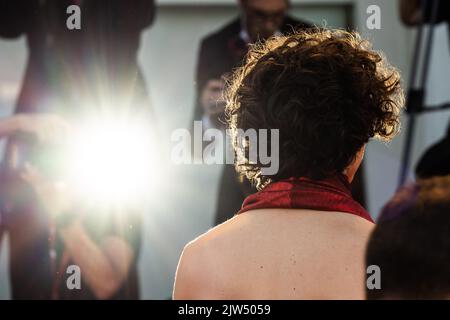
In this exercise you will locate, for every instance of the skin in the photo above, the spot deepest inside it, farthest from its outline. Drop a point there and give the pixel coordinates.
(42, 126)
(213, 102)
(105, 267)
(278, 254)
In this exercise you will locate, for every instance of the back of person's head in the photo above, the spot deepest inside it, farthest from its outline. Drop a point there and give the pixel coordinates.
(436, 159)
(326, 91)
(411, 243)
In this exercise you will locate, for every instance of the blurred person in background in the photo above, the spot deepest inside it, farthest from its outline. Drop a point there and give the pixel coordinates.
(411, 243)
(302, 236)
(72, 73)
(44, 127)
(221, 52)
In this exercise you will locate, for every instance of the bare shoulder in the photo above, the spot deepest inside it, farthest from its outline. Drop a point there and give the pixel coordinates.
(212, 265)
(342, 234)
(201, 262)
(350, 227)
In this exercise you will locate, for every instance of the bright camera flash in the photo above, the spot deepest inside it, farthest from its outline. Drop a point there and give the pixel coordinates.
(112, 162)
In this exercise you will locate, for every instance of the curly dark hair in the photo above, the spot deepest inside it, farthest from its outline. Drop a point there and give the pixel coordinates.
(326, 91)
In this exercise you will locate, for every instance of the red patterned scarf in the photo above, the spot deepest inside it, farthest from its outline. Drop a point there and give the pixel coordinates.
(331, 194)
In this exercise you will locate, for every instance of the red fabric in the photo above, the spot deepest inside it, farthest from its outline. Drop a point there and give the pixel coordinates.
(301, 193)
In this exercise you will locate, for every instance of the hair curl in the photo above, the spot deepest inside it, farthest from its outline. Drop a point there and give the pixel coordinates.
(326, 91)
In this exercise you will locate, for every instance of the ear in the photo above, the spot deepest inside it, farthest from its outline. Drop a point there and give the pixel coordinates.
(352, 168)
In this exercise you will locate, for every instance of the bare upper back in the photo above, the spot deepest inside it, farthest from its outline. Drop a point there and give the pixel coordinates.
(277, 254)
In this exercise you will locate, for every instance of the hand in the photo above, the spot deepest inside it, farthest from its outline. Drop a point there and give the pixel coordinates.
(56, 198)
(47, 128)
(211, 98)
